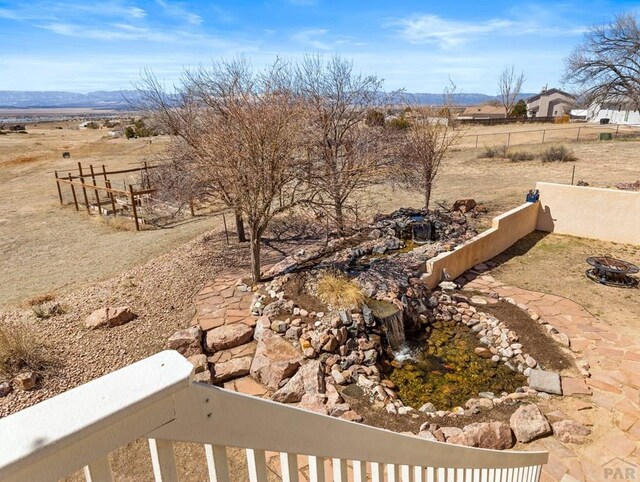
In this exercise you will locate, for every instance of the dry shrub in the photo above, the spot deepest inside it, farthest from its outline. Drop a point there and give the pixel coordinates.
(44, 311)
(558, 154)
(491, 152)
(340, 292)
(519, 156)
(40, 299)
(20, 350)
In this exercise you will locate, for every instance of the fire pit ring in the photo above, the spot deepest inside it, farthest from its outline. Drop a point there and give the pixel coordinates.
(610, 271)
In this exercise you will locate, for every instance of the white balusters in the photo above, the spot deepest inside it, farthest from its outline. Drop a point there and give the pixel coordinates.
(163, 460)
(359, 471)
(217, 463)
(289, 467)
(316, 469)
(98, 470)
(257, 465)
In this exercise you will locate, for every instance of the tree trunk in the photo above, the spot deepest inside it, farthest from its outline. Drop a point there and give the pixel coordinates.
(340, 218)
(427, 196)
(242, 237)
(255, 256)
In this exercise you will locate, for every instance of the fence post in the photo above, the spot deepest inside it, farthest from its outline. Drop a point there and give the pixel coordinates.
(476, 141)
(73, 191)
(578, 137)
(617, 129)
(133, 207)
(573, 174)
(543, 134)
(191, 207)
(508, 139)
(58, 186)
(84, 189)
(93, 178)
(113, 202)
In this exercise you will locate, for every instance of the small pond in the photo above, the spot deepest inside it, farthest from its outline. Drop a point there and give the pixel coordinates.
(444, 370)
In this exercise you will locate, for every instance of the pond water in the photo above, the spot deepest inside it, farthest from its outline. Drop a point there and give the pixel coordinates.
(443, 369)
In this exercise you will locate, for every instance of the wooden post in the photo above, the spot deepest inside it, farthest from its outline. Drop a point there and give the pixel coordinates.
(133, 207)
(617, 129)
(508, 139)
(84, 190)
(573, 174)
(58, 186)
(113, 202)
(146, 175)
(543, 134)
(73, 191)
(93, 178)
(578, 136)
(476, 140)
(193, 214)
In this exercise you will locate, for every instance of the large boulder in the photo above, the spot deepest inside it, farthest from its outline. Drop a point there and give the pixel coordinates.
(109, 317)
(488, 435)
(529, 423)
(228, 336)
(234, 368)
(308, 379)
(187, 342)
(275, 360)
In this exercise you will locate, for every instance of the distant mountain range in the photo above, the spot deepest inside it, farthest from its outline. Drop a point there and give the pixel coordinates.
(120, 99)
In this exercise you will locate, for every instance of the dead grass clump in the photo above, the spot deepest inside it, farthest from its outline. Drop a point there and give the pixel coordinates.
(519, 156)
(40, 299)
(22, 160)
(44, 311)
(339, 292)
(558, 154)
(118, 223)
(20, 350)
(494, 152)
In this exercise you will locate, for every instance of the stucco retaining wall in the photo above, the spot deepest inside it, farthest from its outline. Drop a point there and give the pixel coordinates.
(604, 214)
(505, 230)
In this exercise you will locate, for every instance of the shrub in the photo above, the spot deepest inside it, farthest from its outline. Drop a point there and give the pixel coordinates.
(558, 154)
(130, 132)
(491, 152)
(339, 292)
(92, 125)
(399, 123)
(375, 118)
(20, 350)
(519, 156)
(44, 311)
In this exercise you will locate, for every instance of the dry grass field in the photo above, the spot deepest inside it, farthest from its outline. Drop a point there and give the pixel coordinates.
(47, 247)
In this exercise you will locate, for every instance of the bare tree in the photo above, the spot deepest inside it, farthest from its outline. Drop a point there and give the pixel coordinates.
(421, 150)
(606, 66)
(238, 132)
(345, 148)
(509, 88)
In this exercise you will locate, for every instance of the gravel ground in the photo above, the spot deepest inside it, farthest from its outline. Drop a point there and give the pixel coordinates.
(161, 292)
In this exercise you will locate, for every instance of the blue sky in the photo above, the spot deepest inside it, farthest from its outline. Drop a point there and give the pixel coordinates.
(83, 46)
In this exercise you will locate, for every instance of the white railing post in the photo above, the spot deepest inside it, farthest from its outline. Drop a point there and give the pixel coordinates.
(316, 469)
(256, 460)
(98, 471)
(163, 460)
(217, 463)
(339, 470)
(289, 467)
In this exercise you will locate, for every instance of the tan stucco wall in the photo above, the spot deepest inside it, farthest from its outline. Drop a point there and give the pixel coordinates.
(505, 230)
(605, 214)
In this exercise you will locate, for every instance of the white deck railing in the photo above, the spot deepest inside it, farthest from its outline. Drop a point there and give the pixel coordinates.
(156, 399)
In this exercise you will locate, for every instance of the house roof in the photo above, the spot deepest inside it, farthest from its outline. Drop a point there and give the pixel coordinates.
(484, 109)
(533, 98)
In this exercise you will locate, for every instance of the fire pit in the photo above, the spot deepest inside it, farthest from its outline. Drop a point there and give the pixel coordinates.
(610, 271)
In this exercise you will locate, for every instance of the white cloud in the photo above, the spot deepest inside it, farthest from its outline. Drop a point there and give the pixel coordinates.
(448, 33)
(319, 39)
(179, 11)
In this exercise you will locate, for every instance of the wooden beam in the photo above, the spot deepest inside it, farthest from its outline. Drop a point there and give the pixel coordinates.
(133, 207)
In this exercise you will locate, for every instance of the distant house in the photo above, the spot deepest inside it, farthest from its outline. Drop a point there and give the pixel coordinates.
(549, 103)
(617, 112)
(483, 112)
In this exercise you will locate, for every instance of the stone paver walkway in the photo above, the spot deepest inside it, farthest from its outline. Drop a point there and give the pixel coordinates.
(222, 303)
(614, 361)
